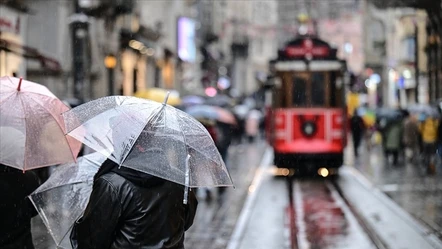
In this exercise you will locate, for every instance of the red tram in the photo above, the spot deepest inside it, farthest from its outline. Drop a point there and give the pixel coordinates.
(306, 115)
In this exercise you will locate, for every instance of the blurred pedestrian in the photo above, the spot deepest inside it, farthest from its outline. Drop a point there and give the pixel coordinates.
(357, 130)
(252, 125)
(132, 209)
(210, 126)
(439, 135)
(411, 136)
(393, 139)
(428, 128)
(222, 142)
(16, 210)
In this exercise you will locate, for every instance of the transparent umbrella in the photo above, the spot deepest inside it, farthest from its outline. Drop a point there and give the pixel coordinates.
(61, 200)
(151, 137)
(34, 113)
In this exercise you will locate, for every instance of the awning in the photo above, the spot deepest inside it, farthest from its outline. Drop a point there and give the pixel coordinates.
(312, 65)
(30, 53)
(424, 4)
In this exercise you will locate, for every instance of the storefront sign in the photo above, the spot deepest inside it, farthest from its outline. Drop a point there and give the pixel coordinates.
(9, 21)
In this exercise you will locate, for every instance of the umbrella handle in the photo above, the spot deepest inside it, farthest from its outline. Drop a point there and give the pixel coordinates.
(187, 179)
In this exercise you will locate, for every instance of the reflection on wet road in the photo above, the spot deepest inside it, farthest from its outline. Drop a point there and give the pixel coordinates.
(326, 220)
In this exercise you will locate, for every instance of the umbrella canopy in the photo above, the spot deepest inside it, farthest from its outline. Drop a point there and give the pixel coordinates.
(190, 100)
(158, 95)
(154, 138)
(221, 100)
(62, 199)
(388, 114)
(212, 113)
(34, 113)
(427, 110)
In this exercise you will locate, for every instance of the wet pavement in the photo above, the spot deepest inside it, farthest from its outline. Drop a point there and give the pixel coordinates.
(216, 218)
(407, 184)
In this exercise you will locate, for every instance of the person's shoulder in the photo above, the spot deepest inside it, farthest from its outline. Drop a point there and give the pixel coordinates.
(113, 179)
(117, 182)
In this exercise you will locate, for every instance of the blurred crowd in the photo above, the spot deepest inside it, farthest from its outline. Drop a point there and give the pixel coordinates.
(229, 121)
(411, 135)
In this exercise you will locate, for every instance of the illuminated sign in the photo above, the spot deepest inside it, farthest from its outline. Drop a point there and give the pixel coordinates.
(186, 39)
(307, 49)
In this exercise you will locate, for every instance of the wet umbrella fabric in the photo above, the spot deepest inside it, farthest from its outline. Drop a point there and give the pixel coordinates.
(151, 137)
(191, 100)
(221, 100)
(34, 112)
(212, 113)
(61, 200)
(388, 114)
(424, 109)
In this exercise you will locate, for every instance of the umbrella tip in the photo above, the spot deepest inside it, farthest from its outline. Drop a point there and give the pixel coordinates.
(19, 84)
(166, 98)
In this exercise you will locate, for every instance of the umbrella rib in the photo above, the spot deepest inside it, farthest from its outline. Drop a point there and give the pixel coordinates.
(4, 99)
(58, 186)
(185, 143)
(26, 137)
(142, 128)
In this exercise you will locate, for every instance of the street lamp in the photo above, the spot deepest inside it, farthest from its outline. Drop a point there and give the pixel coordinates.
(110, 61)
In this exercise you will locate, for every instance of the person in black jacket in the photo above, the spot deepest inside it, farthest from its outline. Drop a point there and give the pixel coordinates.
(357, 131)
(131, 209)
(16, 210)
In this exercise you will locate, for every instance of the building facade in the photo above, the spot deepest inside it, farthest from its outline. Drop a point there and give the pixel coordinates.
(428, 37)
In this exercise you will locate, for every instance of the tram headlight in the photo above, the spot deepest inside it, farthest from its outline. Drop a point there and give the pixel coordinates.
(309, 129)
(324, 172)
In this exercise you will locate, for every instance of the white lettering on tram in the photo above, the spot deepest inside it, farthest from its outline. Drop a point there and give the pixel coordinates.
(289, 126)
(328, 124)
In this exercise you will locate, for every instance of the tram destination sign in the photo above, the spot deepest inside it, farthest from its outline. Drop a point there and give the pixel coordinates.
(308, 48)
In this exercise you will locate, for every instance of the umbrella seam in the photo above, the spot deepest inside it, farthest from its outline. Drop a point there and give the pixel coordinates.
(58, 122)
(185, 144)
(142, 128)
(54, 187)
(4, 100)
(26, 137)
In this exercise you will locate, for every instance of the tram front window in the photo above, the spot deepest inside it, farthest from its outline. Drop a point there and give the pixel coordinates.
(299, 97)
(309, 90)
(318, 89)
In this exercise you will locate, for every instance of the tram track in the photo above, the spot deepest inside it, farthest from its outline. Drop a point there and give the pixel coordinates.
(377, 241)
(322, 214)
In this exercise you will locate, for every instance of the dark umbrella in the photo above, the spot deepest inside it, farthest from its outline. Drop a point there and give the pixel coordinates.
(221, 100)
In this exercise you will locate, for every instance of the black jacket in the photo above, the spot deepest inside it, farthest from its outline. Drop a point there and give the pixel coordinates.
(16, 210)
(130, 209)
